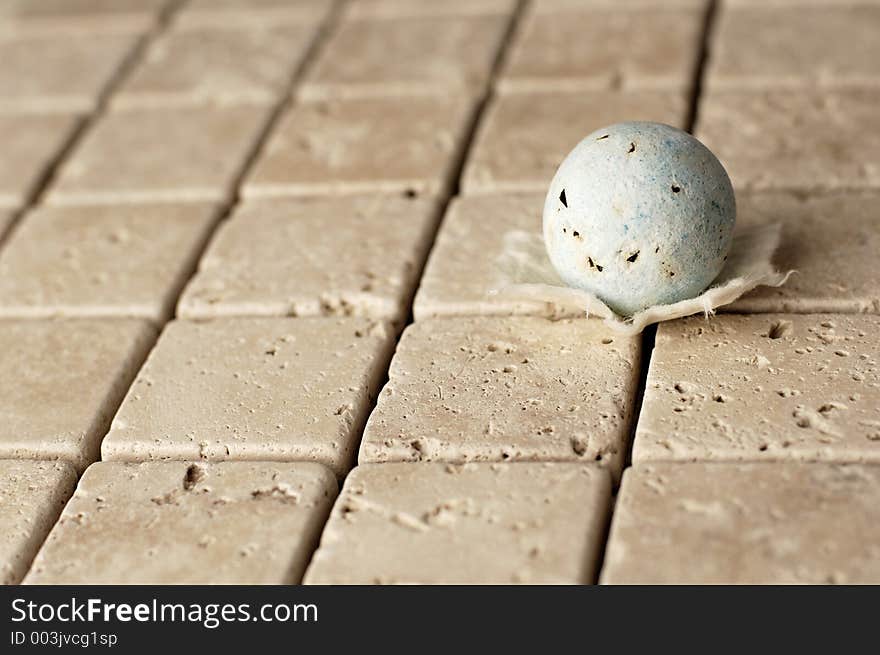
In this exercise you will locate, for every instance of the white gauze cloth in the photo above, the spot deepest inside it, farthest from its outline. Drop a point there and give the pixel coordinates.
(524, 272)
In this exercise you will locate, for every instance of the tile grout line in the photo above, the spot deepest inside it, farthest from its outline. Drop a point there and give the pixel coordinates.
(649, 336)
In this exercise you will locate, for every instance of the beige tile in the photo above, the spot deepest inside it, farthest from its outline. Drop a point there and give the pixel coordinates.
(397, 8)
(542, 6)
(831, 240)
(524, 137)
(33, 495)
(462, 269)
(800, 3)
(471, 524)
(352, 146)
(803, 139)
(217, 65)
(745, 524)
(409, 54)
(353, 255)
(126, 260)
(167, 155)
(90, 16)
(213, 391)
(584, 47)
(52, 73)
(763, 387)
(506, 389)
(216, 13)
(31, 145)
(61, 381)
(800, 47)
(225, 523)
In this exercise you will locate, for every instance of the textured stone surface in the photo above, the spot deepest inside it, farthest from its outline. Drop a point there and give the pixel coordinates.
(462, 267)
(540, 6)
(214, 391)
(174, 154)
(591, 47)
(497, 389)
(61, 381)
(470, 524)
(60, 73)
(32, 495)
(410, 54)
(796, 46)
(524, 137)
(282, 258)
(217, 65)
(397, 8)
(795, 139)
(745, 524)
(126, 260)
(31, 144)
(82, 16)
(831, 240)
(350, 146)
(777, 387)
(224, 523)
(222, 13)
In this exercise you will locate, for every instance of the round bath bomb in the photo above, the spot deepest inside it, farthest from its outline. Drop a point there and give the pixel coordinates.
(639, 214)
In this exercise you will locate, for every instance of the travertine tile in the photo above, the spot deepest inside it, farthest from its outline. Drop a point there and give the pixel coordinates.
(557, 5)
(462, 269)
(397, 8)
(214, 13)
(66, 16)
(215, 391)
(795, 46)
(775, 386)
(831, 240)
(168, 155)
(521, 523)
(32, 495)
(61, 381)
(364, 145)
(800, 3)
(588, 47)
(745, 524)
(217, 65)
(123, 260)
(802, 139)
(524, 137)
(225, 523)
(356, 255)
(409, 54)
(31, 144)
(52, 73)
(506, 389)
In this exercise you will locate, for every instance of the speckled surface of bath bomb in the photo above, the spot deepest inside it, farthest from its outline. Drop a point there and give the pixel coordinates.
(639, 214)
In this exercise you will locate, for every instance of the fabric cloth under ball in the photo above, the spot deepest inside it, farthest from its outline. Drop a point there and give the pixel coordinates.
(525, 272)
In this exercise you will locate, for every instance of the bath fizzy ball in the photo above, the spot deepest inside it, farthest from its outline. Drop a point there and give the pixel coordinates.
(639, 214)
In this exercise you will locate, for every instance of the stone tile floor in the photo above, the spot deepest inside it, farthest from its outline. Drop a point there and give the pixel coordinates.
(215, 216)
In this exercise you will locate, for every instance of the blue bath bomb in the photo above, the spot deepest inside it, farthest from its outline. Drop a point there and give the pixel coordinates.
(639, 214)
